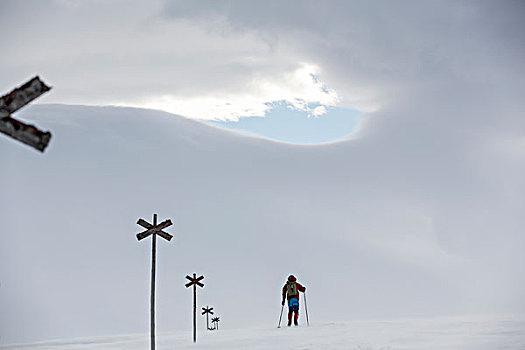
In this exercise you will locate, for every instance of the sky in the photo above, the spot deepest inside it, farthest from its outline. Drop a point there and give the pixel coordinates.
(409, 199)
(225, 60)
(285, 124)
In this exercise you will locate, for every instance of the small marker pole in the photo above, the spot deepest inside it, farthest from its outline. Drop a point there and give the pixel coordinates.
(216, 321)
(207, 311)
(194, 281)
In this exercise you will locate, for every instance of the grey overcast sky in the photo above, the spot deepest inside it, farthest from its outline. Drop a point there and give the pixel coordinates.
(420, 212)
(226, 59)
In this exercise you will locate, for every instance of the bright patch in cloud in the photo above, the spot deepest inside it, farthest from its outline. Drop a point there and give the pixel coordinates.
(287, 124)
(299, 88)
(319, 111)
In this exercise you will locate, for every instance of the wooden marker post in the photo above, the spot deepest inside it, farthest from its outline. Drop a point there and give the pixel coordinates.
(16, 129)
(194, 281)
(153, 230)
(207, 311)
(216, 321)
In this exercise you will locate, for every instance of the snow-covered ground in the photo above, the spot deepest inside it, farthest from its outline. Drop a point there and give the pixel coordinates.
(392, 232)
(469, 333)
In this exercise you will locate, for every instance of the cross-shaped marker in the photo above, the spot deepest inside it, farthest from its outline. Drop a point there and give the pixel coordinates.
(16, 129)
(153, 230)
(194, 281)
(207, 311)
(216, 321)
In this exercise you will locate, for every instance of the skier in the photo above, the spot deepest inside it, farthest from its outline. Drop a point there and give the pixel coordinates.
(291, 291)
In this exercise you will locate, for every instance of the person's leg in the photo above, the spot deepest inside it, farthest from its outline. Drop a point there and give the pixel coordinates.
(296, 316)
(293, 307)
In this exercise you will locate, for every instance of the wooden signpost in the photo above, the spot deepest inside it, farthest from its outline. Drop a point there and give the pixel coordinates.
(16, 129)
(207, 311)
(153, 230)
(194, 281)
(216, 321)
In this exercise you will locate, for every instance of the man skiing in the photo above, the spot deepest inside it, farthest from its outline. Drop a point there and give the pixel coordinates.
(291, 291)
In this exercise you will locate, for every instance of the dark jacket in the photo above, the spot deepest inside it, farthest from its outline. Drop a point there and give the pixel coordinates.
(300, 288)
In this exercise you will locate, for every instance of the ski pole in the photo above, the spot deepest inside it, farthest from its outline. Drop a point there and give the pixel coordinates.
(280, 317)
(306, 309)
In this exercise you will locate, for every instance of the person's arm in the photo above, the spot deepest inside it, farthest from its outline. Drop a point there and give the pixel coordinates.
(301, 288)
(284, 294)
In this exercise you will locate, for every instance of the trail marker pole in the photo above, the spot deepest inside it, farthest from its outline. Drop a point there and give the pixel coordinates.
(216, 321)
(153, 230)
(16, 129)
(207, 311)
(194, 281)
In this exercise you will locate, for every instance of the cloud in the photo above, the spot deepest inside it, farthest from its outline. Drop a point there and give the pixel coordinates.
(299, 89)
(319, 111)
(127, 53)
(231, 58)
(371, 51)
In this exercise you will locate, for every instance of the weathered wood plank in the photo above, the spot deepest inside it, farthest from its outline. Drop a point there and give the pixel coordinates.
(165, 235)
(144, 234)
(163, 225)
(12, 102)
(144, 223)
(21, 96)
(25, 133)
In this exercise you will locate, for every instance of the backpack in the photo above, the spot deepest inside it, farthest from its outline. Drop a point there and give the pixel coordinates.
(291, 288)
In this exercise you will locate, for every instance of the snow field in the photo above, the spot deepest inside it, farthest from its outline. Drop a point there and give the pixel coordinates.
(458, 333)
